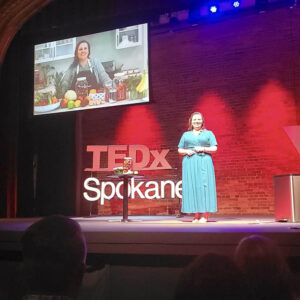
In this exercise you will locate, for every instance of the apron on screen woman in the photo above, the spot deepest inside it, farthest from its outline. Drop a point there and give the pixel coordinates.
(89, 75)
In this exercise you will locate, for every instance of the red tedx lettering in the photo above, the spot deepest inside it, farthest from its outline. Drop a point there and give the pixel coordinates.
(133, 149)
(112, 156)
(158, 163)
(159, 158)
(96, 157)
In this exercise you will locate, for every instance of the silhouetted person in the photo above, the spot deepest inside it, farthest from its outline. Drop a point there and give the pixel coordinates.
(210, 277)
(54, 253)
(266, 271)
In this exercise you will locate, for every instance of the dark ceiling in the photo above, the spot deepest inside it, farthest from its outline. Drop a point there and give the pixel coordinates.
(81, 14)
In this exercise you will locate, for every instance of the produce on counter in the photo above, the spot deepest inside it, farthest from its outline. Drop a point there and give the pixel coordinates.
(143, 85)
(37, 98)
(64, 103)
(71, 95)
(84, 102)
(77, 103)
(133, 85)
(54, 100)
(71, 104)
(70, 100)
(42, 99)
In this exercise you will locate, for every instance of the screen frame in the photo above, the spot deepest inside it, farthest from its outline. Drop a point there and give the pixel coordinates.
(146, 50)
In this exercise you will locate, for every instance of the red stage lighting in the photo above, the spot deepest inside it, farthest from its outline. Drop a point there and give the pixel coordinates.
(139, 125)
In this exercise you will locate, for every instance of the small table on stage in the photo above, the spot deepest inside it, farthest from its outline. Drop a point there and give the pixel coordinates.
(125, 178)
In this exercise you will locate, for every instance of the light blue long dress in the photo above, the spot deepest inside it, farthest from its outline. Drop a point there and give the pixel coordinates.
(198, 174)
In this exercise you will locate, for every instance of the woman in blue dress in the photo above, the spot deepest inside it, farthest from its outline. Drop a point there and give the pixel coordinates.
(198, 175)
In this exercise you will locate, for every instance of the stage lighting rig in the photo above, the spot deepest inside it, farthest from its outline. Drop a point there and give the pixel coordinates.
(213, 9)
(236, 4)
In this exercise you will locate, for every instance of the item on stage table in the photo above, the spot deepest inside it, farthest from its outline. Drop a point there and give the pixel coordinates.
(120, 171)
(127, 165)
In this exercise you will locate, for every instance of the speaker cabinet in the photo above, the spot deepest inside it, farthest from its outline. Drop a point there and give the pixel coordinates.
(287, 198)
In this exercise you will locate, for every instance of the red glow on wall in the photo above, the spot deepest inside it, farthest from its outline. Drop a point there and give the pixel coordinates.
(139, 125)
(271, 110)
(218, 117)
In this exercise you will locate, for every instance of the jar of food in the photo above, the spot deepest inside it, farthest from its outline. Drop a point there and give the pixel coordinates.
(119, 82)
(127, 165)
(81, 87)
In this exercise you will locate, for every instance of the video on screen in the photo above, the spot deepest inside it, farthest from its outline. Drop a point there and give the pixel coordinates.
(92, 71)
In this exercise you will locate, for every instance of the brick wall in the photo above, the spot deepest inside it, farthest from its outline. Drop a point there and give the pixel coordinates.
(243, 74)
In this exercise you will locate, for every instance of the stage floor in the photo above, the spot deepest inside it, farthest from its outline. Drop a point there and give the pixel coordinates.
(166, 235)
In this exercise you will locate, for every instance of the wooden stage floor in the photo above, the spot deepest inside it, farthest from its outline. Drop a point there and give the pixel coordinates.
(124, 257)
(165, 235)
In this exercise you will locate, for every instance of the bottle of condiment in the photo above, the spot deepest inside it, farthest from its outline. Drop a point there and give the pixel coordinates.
(120, 86)
(121, 91)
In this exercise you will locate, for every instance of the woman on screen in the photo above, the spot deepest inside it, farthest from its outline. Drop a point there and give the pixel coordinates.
(84, 66)
(198, 175)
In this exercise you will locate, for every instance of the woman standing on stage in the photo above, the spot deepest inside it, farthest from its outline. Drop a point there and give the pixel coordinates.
(198, 175)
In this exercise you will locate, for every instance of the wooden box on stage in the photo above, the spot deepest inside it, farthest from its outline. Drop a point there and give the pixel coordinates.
(287, 198)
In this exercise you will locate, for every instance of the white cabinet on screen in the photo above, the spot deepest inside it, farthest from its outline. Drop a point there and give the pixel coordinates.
(129, 36)
(54, 50)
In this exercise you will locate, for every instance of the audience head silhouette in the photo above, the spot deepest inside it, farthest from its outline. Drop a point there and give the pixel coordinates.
(265, 269)
(210, 277)
(54, 253)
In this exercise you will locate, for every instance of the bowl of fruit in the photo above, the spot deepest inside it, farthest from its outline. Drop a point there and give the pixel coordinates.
(44, 102)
